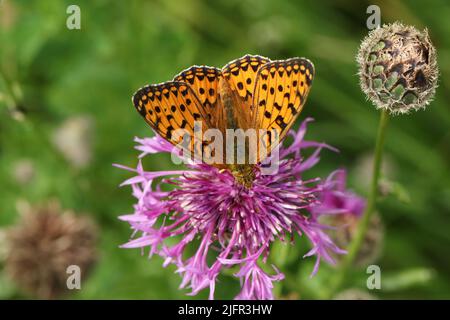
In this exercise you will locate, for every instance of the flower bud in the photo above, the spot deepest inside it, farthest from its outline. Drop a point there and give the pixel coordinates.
(397, 68)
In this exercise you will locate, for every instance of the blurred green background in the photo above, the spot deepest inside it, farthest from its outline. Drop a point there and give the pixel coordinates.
(77, 84)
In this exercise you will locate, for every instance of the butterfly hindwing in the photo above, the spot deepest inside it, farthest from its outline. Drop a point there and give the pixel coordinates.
(281, 90)
(170, 106)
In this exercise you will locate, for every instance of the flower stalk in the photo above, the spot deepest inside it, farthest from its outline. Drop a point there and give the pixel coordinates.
(357, 241)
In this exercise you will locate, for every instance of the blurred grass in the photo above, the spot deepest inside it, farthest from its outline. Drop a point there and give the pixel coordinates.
(53, 73)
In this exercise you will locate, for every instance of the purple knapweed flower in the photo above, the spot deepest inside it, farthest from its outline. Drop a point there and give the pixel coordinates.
(336, 200)
(232, 225)
(342, 210)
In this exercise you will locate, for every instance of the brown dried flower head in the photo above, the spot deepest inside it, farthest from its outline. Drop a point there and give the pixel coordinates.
(43, 244)
(397, 68)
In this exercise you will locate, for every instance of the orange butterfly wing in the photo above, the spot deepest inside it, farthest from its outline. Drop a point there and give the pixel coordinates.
(281, 90)
(171, 106)
(240, 75)
(204, 83)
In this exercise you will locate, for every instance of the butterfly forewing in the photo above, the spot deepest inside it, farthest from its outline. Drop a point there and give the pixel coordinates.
(281, 90)
(241, 75)
(203, 81)
(170, 106)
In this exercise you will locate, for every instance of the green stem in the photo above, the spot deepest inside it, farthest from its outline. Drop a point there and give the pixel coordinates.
(357, 241)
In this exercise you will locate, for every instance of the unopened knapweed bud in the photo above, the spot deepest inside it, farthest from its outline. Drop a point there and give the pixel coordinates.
(397, 68)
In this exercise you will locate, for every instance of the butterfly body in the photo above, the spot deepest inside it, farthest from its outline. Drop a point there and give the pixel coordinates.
(249, 93)
(229, 102)
(244, 174)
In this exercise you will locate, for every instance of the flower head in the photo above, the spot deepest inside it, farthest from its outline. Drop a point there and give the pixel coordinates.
(336, 200)
(41, 247)
(229, 222)
(343, 210)
(398, 68)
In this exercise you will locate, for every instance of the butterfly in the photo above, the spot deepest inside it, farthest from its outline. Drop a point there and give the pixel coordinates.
(251, 92)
